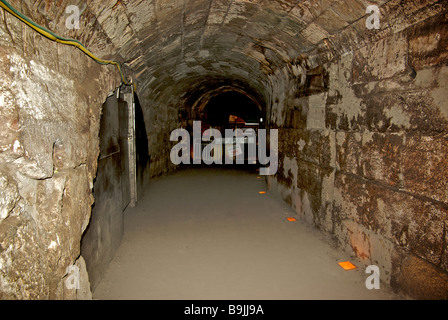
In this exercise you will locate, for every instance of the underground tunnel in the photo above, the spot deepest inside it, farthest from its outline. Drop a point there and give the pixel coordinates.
(92, 90)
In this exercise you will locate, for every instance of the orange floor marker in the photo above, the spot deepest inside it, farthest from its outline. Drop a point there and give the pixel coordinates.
(291, 219)
(262, 192)
(347, 265)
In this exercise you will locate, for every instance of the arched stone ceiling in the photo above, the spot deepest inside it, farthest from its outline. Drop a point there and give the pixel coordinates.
(173, 47)
(171, 44)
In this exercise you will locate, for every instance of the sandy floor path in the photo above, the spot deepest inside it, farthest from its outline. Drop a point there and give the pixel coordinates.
(209, 234)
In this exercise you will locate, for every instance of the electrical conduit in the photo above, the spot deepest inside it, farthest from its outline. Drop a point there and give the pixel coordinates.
(71, 42)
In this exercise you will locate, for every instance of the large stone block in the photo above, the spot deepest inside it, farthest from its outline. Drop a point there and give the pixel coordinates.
(428, 42)
(316, 112)
(404, 111)
(314, 146)
(374, 156)
(413, 224)
(344, 110)
(380, 60)
(355, 239)
(425, 166)
(403, 14)
(331, 20)
(422, 280)
(439, 94)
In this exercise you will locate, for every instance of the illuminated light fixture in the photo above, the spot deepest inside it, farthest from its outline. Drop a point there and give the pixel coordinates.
(347, 265)
(262, 192)
(291, 219)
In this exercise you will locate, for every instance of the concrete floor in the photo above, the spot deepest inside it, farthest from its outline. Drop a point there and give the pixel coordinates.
(209, 234)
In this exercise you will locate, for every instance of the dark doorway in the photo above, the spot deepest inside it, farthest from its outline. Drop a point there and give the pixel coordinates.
(232, 103)
(123, 156)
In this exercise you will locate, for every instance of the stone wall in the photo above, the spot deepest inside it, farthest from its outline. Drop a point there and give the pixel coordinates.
(363, 157)
(50, 106)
